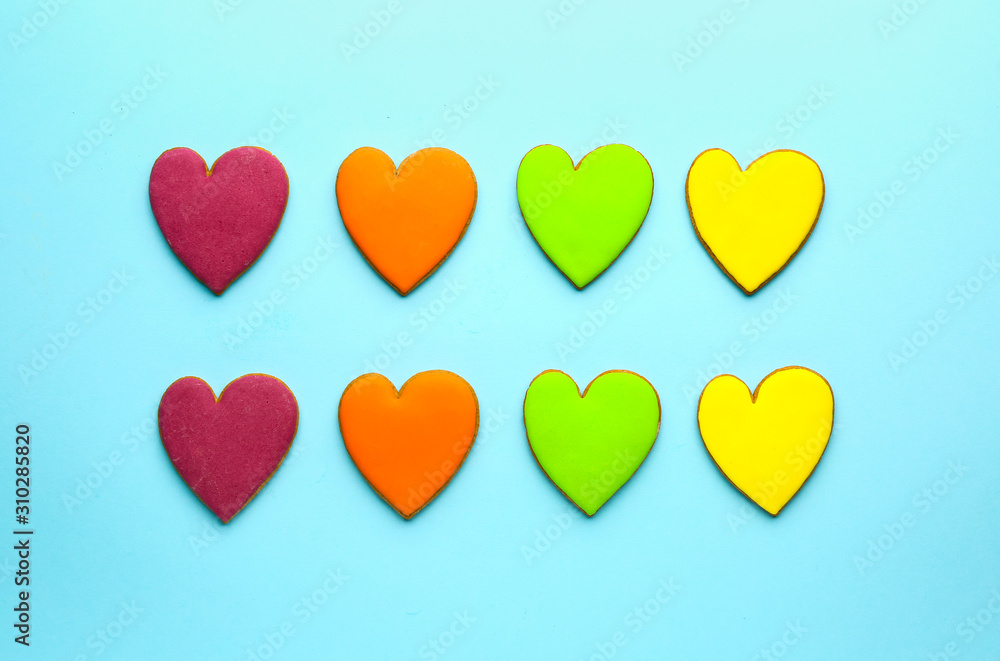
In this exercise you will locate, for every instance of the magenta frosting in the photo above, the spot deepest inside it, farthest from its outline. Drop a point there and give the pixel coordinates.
(218, 224)
(226, 450)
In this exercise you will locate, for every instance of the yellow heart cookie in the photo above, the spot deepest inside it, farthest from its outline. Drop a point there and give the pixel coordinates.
(753, 222)
(767, 443)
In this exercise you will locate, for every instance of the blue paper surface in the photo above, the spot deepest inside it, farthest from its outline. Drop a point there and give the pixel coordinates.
(889, 551)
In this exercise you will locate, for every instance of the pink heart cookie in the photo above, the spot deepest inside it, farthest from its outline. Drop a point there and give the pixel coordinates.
(218, 221)
(226, 449)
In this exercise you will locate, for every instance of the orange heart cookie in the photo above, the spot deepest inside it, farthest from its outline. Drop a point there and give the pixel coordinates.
(409, 444)
(406, 221)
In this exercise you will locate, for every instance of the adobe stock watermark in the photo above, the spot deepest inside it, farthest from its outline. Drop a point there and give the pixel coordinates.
(914, 168)
(86, 486)
(636, 620)
(418, 323)
(901, 14)
(709, 33)
(366, 33)
(597, 490)
(121, 108)
(491, 423)
(743, 515)
(434, 480)
(86, 312)
(454, 116)
(545, 537)
(554, 188)
(106, 636)
(562, 12)
(789, 638)
(278, 122)
(796, 118)
(459, 112)
(786, 127)
(225, 7)
(209, 532)
(580, 333)
(439, 645)
(753, 329)
(970, 628)
(292, 279)
(302, 611)
(922, 502)
(32, 24)
(802, 457)
(609, 133)
(7, 569)
(957, 298)
(203, 537)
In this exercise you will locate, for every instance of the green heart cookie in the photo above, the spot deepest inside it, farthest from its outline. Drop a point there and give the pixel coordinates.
(590, 445)
(584, 217)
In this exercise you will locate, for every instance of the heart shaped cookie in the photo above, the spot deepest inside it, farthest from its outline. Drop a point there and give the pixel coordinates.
(218, 221)
(752, 223)
(767, 443)
(406, 221)
(226, 449)
(584, 217)
(590, 445)
(409, 444)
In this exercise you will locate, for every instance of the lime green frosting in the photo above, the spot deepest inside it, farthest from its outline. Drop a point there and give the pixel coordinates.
(590, 446)
(583, 218)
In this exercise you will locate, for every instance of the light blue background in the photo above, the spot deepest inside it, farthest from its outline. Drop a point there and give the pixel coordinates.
(212, 592)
